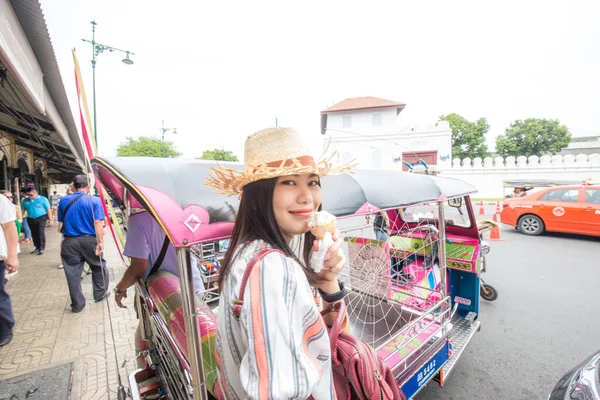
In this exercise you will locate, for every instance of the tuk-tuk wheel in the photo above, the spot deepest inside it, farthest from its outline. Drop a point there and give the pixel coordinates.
(487, 292)
(531, 225)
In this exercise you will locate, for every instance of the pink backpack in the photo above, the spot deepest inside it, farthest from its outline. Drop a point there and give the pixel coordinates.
(358, 371)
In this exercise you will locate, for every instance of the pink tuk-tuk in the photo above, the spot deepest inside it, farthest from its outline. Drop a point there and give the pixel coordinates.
(413, 295)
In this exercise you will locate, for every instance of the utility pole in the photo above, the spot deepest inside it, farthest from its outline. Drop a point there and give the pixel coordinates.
(165, 130)
(98, 48)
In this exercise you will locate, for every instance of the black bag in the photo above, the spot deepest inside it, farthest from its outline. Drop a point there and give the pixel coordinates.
(67, 209)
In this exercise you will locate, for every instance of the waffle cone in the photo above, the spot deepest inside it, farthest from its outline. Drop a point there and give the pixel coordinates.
(319, 229)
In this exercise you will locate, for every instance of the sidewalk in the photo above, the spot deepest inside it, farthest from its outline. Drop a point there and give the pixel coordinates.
(47, 333)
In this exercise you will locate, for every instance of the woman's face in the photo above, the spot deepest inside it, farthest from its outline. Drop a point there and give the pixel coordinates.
(295, 197)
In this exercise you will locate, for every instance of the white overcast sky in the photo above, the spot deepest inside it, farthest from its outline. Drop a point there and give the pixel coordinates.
(220, 70)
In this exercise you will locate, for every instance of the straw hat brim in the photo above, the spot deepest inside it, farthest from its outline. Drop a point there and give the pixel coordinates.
(231, 181)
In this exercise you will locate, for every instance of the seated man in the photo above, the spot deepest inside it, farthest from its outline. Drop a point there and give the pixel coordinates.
(519, 191)
(145, 239)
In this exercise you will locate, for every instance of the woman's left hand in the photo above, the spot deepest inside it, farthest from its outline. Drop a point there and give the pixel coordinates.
(334, 260)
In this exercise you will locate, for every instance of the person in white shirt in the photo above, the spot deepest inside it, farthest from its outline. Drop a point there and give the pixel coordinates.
(54, 200)
(9, 247)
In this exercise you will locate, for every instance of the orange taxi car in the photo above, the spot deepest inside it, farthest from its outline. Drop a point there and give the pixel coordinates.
(568, 208)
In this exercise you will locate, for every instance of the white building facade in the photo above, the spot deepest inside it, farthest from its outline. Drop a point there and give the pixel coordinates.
(366, 129)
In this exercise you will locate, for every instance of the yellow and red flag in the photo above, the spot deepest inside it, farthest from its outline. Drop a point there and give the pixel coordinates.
(87, 134)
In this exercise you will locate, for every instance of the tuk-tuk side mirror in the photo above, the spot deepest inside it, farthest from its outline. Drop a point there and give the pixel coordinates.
(456, 202)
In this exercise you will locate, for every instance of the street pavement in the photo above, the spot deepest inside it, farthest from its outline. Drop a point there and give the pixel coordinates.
(48, 334)
(545, 321)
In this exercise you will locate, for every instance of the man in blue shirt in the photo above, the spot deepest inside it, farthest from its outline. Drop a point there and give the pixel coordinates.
(38, 212)
(81, 221)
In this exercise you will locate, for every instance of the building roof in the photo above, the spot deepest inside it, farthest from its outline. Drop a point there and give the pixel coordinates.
(31, 17)
(363, 103)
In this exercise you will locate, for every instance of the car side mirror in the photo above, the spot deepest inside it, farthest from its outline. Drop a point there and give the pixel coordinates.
(456, 202)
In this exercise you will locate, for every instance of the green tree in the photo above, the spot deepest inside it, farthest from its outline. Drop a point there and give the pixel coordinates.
(468, 138)
(533, 136)
(145, 146)
(218, 155)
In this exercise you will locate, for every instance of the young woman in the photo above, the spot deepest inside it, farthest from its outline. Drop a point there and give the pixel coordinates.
(279, 347)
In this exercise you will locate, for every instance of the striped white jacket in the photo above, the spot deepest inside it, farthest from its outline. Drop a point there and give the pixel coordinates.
(279, 348)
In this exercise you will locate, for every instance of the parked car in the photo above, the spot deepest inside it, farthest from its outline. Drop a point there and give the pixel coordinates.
(567, 208)
(581, 382)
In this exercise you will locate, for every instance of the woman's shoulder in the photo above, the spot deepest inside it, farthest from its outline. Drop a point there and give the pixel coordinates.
(247, 251)
(273, 260)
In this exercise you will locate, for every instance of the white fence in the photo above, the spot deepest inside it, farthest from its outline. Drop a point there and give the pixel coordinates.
(487, 174)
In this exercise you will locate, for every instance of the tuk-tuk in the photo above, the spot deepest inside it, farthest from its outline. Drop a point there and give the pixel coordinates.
(414, 296)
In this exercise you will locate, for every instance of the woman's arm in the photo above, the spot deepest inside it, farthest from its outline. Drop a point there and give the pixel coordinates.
(335, 260)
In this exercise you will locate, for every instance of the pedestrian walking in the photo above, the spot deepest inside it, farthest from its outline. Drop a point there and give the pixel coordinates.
(9, 263)
(54, 200)
(38, 212)
(26, 231)
(80, 220)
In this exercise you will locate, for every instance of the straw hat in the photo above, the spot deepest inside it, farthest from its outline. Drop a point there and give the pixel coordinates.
(271, 153)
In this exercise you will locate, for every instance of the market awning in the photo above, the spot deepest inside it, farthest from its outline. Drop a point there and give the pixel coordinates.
(33, 103)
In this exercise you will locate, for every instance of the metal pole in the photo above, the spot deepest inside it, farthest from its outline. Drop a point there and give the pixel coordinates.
(94, 93)
(94, 79)
(163, 138)
(442, 246)
(192, 330)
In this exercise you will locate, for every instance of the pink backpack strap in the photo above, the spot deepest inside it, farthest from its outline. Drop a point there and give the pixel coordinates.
(239, 302)
(336, 328)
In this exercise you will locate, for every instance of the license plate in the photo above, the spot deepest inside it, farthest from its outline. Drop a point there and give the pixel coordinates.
(424, 374)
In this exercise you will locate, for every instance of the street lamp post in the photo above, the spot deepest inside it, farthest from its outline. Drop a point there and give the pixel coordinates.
(165, 130)
(98, 48)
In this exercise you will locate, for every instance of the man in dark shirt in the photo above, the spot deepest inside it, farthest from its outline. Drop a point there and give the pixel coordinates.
(81, 218)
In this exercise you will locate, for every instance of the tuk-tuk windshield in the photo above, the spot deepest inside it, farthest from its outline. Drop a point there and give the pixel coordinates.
(456, 213)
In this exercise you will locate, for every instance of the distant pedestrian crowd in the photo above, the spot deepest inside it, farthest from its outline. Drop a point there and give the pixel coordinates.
(80, 219)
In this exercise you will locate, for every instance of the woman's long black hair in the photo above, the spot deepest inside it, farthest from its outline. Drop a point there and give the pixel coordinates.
(255, 220)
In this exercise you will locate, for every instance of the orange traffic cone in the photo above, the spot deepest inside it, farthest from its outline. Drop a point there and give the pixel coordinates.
(497, 214)
(481, 210)
(495, 234)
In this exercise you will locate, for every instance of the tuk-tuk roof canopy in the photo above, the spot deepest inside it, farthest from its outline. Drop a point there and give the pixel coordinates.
(166, 187)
